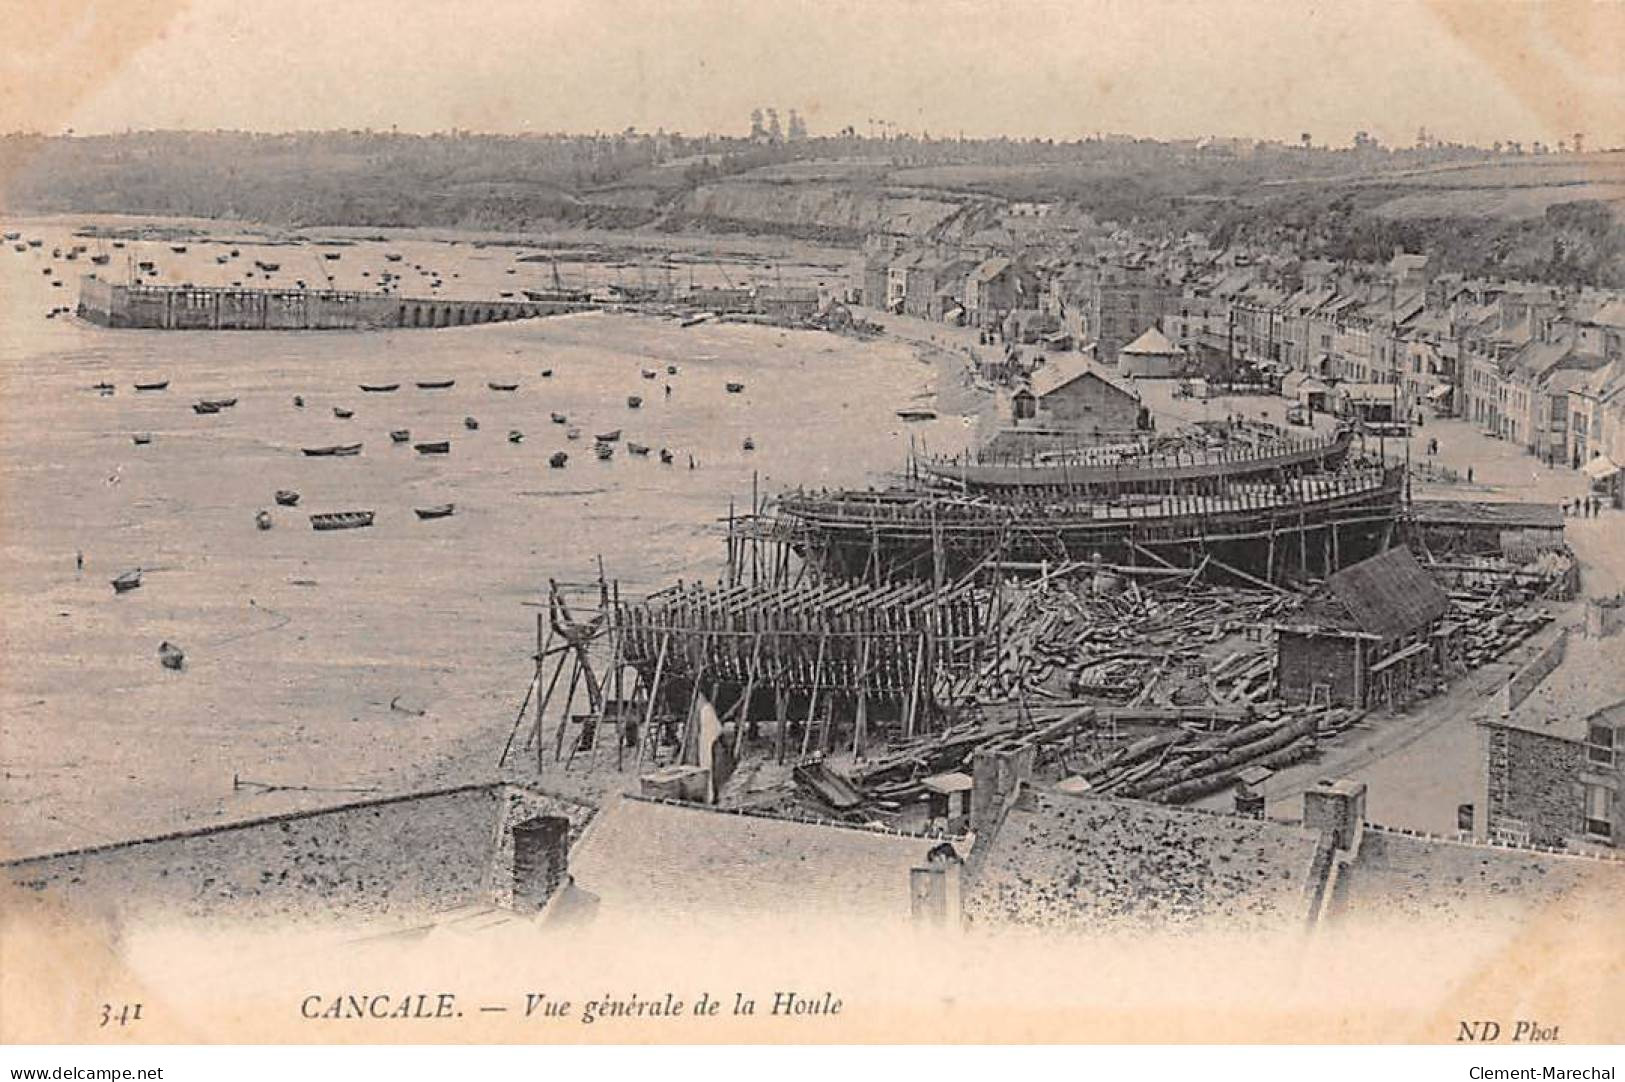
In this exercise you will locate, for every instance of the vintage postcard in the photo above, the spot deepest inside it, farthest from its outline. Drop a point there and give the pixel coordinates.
(871, 522)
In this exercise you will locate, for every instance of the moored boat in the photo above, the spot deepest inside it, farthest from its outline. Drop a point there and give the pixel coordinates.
(205, 407)
(665, 456)
(750, 444)
(392, 257)
(559, 418)
(101, 259)
(220, 403)
(287, 497)
(443, 510)
(633, 401)
(178, 249)
(433, 447)
(557, 459)
(141, 439)
(171, 656)
(604, 451)
(515, 436)
(341, 520)
(299, 401)
(471, 424)
(917, 415)
(503, 386)
(343, 414)
(127, 581)
(572, 433)
(336, 450)
(380, 388)
(735, 388)
(671, 370)
(262, 519)
(434, 384)
(547, 373)
(637, 448)
(401, 435)
(649, 373)
(608, 437)
(155, 385)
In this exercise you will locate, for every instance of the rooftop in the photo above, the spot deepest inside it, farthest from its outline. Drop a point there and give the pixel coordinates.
(1388, 595)
(1589, 679)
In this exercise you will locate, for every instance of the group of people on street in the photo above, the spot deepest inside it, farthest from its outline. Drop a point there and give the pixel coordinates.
(1583, 506)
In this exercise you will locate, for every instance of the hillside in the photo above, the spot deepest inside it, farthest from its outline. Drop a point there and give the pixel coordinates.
(1551, 217)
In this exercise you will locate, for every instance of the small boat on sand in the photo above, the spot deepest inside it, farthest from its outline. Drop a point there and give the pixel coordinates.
(127, 581)
(434, 384)
(750, 444)
(287, 497)
(332, 255)
(205, 407)
(515, 436)
(141, 439)
(637, 449)
(100, 260)
(633, 401)
(178, 249)
(917, 415)
(735, 388)
(433, 447)
(220, 403)
(471, 424)
(401, 435)
(665, 457)
(336, 450)
(557, 459)
(503, 386)
(608, 437)
(649, 373)
(604, 451)
(444, 510)
(559, 418)
(299, 401)
(671, 370)
(341, 520)
(262, 519)
(155, 385)
(171, 656)
(380, 388)
(393, 257)
(572, 433)
(343, 414)
(547, 373)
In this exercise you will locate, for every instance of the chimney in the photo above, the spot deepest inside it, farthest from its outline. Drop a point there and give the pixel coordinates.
(541, 860)
(1337, 808)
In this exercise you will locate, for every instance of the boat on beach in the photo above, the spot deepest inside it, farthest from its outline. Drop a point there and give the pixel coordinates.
(749, 444)
(559, 418)
(471, 424)
(665, 457)
(649, 373)
(671, 370)
(127, 581)
(141, 439)
(156, 385)
(572, 433)
(287, 497)
(444, 510)
(434, 384)
(502, 386)
(608, 437)
(100, 259)
(637, 449)
(917, 415)
(336, 450)
(735, 388)
(380, 388)
(515, 436)
(262, 519)
(220, 403)
(433, 447)
(205, 407)
(171, 656)
(343, 414)
(341, 520)
(401, 435)
(547, 373)
(633, 401)
(557, 459)
(604, 451)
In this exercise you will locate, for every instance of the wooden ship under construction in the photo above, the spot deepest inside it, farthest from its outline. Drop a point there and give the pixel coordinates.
(1278, 513)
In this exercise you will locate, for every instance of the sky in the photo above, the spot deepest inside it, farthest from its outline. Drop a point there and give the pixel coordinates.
(1468, 70)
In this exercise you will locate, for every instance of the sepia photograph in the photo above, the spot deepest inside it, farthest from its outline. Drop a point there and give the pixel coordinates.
(873, 523)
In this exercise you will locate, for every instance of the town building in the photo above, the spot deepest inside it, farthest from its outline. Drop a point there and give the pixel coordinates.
(1072, 395)
(1151, 356)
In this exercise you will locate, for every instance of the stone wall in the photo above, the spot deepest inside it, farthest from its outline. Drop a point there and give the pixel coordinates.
(1532, 778)
(1304, 660)
(1535, 670)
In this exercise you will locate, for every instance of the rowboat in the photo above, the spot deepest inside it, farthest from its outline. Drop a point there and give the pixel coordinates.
(671, 370)
(178, 249)
(380, 388)
(343, 414)
(750, 444)
(401, 435)
(393, 257)
(141, 439)
(341, 520)
(503, 386)
(287, 497)
(434, 384)
(608, 437)
(220, 403)
(331, 255)
(557, 459)
(604, 451)
(547, 373)
(435, 447)
(157, 385)
(572, 433)
(262, 519)
(443, 510)
(264, 266)
(559, 418)
(633, 401)
(649, 373)
(515, 436)
(917, 415)
(12, 235)
(100, 260)
(205, 407)
(471, 424)
(337, 450)
(665, 456)
(222, 259)
(637, 449)
(735, 388)
(127, 581)
(171, 656)
(299, 401)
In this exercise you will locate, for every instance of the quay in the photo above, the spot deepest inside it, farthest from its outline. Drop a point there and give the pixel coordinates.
(216, 308)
